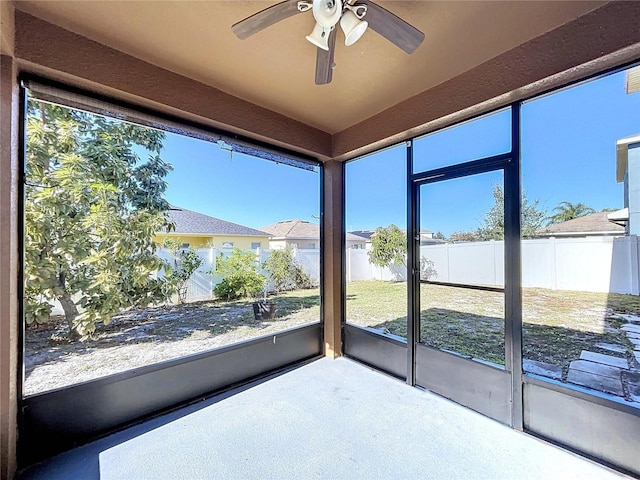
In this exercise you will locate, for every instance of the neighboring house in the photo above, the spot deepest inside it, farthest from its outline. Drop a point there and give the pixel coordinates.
(595, 224)
(365, 235)
(427, 238)
(300, 234)
(628, 171)
(197, 230)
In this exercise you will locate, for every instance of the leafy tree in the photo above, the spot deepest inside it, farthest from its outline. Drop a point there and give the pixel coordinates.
(568, 211)
(186, 262)
(285, 272)
(439, 235)
(465, 237)
(240, 275)
(388, 247)
(92, 205)
(492, 226)
(532, 217)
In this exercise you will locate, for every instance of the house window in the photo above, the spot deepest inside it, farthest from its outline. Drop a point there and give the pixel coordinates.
(312, 246)
(185, 245)
(294, 244)
(255, 245)
(227, 244)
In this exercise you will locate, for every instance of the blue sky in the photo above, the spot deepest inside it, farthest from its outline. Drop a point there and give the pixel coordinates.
(236, 187)
(568, 154)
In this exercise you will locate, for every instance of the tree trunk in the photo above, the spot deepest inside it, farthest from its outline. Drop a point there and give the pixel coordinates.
(70, 313)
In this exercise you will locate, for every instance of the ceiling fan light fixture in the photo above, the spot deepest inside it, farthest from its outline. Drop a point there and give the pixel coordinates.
(352, 27)
(327, 12)
(319, 36)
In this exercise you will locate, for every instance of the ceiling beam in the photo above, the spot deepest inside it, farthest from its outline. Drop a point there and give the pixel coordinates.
(49, 50)
(599, 40)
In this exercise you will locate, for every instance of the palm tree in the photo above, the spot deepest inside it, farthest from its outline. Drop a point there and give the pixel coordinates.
(568, 211)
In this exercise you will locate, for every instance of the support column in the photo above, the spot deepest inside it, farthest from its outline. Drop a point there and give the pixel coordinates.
(8, 245)
(333, 235)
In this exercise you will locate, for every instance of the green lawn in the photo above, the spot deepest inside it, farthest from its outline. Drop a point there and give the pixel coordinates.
(557, 325)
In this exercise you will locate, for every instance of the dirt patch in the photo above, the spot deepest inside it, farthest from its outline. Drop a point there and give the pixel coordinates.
(142, 337)
(557, 326)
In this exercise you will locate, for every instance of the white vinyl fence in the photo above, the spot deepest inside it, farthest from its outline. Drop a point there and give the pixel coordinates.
(592, 264)
(201, 284)
(596, 264)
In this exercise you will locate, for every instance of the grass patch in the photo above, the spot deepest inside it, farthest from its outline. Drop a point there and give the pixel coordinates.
(557, 325)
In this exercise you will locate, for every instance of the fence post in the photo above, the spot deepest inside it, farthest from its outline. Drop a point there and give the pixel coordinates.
(635, 265)
(448, 262)
(554, 264)
(494, 260)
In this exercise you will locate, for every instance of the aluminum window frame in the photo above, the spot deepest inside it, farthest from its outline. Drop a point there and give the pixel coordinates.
(43, 430)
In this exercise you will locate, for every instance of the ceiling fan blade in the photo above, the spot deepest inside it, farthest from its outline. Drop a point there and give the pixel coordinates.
(393, 28)
(324, 61)
(265, 18)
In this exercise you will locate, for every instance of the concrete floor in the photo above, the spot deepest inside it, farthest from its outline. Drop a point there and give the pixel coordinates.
(330, 419)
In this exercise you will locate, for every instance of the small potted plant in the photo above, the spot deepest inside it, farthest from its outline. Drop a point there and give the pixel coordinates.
(263, 309)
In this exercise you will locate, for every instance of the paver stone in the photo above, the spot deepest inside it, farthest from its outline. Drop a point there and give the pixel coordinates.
(595, 368)
(628, 318)
(630, 327)
(632, 381)
(612, 347)
(604, 359)
(596, 382)
(543, 369)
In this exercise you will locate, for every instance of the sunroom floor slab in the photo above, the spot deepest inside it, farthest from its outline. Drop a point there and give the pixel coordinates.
(329, 419)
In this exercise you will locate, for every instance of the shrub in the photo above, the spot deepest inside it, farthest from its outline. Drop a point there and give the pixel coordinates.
(284, 272)
(240, 285)
(185, 264)
(302, 278)
(240, 276)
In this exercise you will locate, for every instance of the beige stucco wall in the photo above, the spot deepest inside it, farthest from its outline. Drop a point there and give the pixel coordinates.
(333, 231)
(7, 30)
(8, 264)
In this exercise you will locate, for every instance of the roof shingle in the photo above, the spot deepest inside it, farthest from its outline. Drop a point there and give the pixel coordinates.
(593, 223)
(299, 229)
(190, 222)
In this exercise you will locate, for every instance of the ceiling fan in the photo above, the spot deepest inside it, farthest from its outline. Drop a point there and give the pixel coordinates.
(354, 16)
